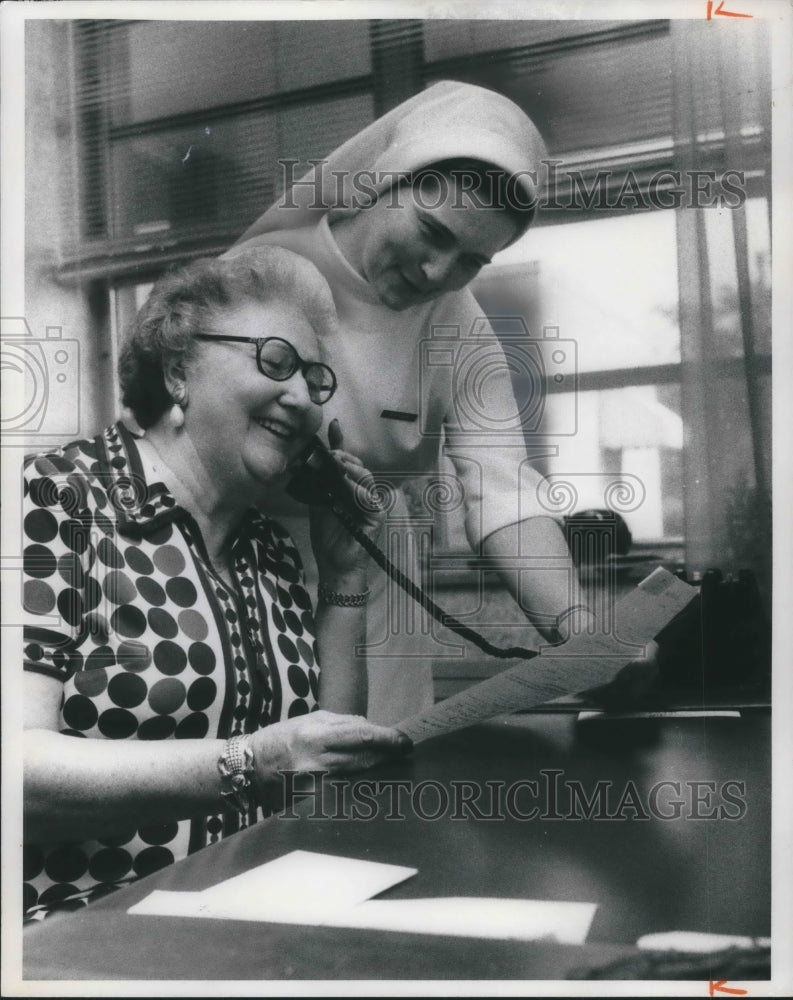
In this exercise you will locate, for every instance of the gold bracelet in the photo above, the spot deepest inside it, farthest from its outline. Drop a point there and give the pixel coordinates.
(342, 600)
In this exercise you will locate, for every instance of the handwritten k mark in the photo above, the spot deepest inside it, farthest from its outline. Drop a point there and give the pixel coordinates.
(722, 13)
(719, 987)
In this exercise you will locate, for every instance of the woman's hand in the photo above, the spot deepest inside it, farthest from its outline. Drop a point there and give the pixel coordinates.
(324, 741)
(341, 560)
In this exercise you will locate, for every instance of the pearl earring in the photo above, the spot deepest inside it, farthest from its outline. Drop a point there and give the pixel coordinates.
(176, 417)
(176, 414)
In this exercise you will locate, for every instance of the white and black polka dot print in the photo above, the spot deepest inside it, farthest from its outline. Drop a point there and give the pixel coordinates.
(150, 643)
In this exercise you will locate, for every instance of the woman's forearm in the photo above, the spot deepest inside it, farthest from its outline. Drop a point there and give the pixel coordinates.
(91, 789)
(342, 679)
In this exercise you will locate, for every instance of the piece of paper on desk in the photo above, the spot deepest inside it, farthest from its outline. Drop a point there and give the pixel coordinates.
(290, 886)
(584, 662)
(672, 713)
(301, 888)
(503, 919)
(304, 878)
(471, 916)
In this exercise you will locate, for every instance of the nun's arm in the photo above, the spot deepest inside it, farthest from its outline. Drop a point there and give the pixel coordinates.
(548, 587)
(550, 596)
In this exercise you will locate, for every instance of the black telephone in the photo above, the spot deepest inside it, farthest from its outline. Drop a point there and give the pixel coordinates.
(319, 479)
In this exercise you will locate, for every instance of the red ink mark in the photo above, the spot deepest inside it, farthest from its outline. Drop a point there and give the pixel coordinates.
(721, 12)
(721, 988)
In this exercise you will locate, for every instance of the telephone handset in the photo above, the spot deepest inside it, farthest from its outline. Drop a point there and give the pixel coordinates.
(319, 479)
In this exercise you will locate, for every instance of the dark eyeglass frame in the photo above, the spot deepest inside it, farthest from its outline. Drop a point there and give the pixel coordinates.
(299, 364)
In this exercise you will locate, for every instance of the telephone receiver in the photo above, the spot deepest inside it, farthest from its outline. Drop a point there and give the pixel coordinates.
(319, 479)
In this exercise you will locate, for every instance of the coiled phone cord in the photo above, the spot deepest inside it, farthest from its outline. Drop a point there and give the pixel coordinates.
(418, 595)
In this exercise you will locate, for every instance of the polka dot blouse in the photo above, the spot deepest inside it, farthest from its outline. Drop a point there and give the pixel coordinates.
(127, 613)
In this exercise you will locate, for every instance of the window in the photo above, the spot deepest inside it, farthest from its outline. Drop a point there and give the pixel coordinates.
(607, 288)
(180, 126)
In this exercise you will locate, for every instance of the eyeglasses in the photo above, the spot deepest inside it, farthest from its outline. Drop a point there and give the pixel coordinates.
(278, 360)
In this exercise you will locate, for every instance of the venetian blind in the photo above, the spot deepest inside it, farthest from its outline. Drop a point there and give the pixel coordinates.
(179, 127)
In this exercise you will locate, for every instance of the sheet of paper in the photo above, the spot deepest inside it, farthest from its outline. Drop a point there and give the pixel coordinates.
(504, 919)
(162, 903)
(290, 886)
(582, 663)
(705, 713)
(305, 878)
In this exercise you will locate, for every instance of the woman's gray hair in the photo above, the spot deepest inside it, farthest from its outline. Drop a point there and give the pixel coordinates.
(185, 302)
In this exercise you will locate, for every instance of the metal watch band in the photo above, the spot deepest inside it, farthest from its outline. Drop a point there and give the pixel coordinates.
(342, 600)
(235, 766)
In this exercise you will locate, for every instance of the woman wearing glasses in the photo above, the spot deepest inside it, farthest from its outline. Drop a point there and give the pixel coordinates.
(399, 220)
(172, 656)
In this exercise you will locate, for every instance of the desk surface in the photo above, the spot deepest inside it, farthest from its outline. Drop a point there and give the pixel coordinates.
(646, 874)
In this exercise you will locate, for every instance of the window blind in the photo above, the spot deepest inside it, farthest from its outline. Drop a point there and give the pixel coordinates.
(179, 127)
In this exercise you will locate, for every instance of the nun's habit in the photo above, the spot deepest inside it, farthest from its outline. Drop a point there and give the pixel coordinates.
(410, 381)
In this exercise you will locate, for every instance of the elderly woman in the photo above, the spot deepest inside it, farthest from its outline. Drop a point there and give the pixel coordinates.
(176, 669)
(399, 220)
